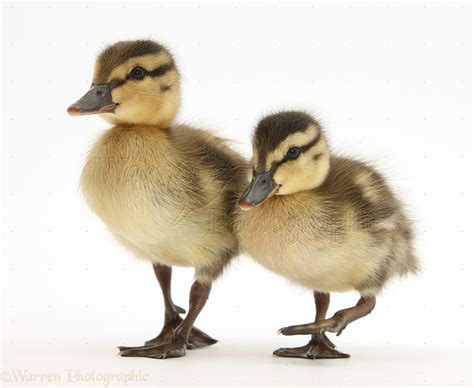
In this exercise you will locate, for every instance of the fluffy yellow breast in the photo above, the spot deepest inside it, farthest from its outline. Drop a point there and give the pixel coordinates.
(129, 176)
(148, 196)
(156, 200)
(297, 237)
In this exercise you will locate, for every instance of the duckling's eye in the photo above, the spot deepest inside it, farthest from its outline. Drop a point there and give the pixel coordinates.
(138, 73)
(293, 153)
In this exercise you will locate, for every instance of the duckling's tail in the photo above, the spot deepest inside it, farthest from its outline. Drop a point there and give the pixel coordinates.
(411, 266)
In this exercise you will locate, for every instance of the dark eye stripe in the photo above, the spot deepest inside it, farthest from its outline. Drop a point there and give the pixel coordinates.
(303, 149)
(158, 72)
(312, 143)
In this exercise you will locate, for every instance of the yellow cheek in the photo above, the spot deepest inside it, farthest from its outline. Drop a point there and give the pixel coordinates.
(296, 176)
(137, 92)
(284, 173)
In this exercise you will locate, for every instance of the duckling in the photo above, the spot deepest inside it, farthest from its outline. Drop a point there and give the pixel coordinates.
(167, 192)
(325, 222)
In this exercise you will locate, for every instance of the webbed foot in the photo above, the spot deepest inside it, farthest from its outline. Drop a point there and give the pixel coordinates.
(176, 348)
(161, 343)
(197, 338)
(319, 347)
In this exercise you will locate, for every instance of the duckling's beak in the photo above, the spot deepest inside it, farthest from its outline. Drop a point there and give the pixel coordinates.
(97, 100)
(260, 189)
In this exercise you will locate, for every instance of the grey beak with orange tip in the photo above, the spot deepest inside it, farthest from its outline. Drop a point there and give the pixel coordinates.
(259, 190)
(97, 100)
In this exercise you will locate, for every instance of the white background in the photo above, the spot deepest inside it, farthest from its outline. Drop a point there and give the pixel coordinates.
(391, 83)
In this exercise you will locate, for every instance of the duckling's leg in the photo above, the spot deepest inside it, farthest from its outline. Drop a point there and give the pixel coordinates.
(338, 322)
(172, 318)
(197, 338)
(177, 346)
(319, 346)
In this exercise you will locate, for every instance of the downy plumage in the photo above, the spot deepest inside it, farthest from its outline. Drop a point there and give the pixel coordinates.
(166, 191)
(325, 222)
